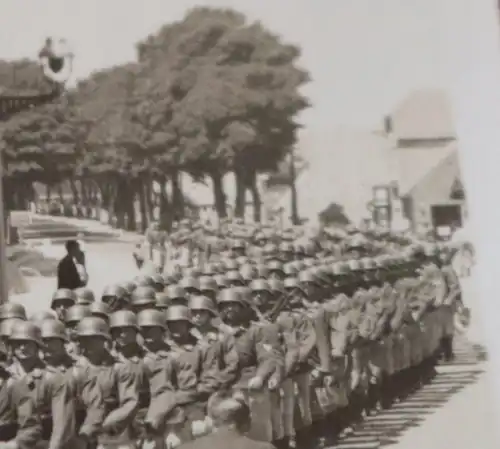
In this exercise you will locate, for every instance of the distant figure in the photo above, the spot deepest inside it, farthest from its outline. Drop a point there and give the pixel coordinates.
(71, 272)
(230, 416)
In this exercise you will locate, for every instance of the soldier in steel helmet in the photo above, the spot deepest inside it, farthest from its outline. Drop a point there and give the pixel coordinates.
(195, 373)
(62, 300)
(133, 390)
(260, 356)
(51, 390)
(159, 369)
(20, 425)
(214, 339)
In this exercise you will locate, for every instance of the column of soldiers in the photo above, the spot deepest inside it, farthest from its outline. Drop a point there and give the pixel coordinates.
(314, 338)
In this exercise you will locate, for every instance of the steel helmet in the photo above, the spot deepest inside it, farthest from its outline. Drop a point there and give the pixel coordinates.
(231, 294)
(238, 244)
(6, 326)
(63, 294)
(162, 300)
(12, 310)
(275, 265)
(248, 272)
(231, 264)
(177, 313)
(25, 331)
(290, 269)
(158, 280)
(175, 292)
(92, 326)
(53, 329)
(234, 276)
(100, 310)
(151, 318)
(355, 265)
(286, 247)
(129, 287)
(84, 296)
(42, 315)
(201, 302)
(209, 269)
(144, 281)
(143, 296)
(259, 285)
(221, 281)
(207, 283)
(114, 291)
(190, 283)
(291, 283)
(76, 313)
(262, 271)
(275, 285)
(307, 276)
(242, 260)
(122, 318)
(192, 272)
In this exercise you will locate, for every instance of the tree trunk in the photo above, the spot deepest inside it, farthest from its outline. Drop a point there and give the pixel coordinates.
(177, 197)
(143, 205)
(239, 203)
(150, 203)
(257, 201)
(76, 197)
(294, 206)
(164, 216)
(219, 195)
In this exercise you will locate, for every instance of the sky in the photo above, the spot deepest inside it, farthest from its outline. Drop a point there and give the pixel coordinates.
(364, 55)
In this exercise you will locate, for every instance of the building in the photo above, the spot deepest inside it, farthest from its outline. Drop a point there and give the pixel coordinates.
(415, 156)
(425, 160)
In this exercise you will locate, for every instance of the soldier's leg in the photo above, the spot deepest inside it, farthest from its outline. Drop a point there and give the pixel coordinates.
(303, 416)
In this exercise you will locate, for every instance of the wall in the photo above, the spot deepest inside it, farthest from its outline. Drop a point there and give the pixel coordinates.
(434, 189)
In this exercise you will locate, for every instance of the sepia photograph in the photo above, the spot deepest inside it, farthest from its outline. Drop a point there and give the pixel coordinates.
(233, 224)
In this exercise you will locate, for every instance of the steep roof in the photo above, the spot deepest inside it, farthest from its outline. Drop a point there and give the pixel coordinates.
(424, 114)
(413, 164)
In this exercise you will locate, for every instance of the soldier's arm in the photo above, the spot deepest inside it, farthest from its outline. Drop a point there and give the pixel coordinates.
(128, 383)
(29, 426)
(208, 381)
(230, 357)
(320, 320)
(63, 412)
(93, 402)
(306, 337)
(270, 354)
(162, 393)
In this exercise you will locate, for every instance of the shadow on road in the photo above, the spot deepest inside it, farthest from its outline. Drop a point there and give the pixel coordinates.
(386, 428)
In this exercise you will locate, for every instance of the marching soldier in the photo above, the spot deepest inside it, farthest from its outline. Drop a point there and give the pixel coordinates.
(204, 312)
(195, 371)
(49, 389)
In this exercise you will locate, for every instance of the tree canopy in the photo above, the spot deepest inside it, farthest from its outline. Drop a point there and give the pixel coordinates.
(208, 95)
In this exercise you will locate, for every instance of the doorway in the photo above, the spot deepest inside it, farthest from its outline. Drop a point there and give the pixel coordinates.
(446, 215)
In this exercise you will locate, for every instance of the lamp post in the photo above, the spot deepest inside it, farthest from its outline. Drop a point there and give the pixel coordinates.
(56, 63)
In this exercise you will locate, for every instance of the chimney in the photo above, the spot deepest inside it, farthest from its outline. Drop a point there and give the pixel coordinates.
(388, 125)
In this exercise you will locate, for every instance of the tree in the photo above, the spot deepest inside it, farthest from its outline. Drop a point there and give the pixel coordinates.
(233, 91)
(334, 215)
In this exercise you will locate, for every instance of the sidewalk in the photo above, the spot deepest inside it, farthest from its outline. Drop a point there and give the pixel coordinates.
(92, 226)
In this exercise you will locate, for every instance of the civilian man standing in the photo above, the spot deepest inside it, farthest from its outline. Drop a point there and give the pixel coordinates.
(71, 272)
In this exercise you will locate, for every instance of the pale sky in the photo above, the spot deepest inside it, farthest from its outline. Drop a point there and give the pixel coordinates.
(364, 55)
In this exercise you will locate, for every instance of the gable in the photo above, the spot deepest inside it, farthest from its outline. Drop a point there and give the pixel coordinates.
(423, 115)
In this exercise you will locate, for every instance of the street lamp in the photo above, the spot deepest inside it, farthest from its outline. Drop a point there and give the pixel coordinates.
(56, 63)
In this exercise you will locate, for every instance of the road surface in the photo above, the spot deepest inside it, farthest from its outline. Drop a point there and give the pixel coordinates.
(454, 411)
